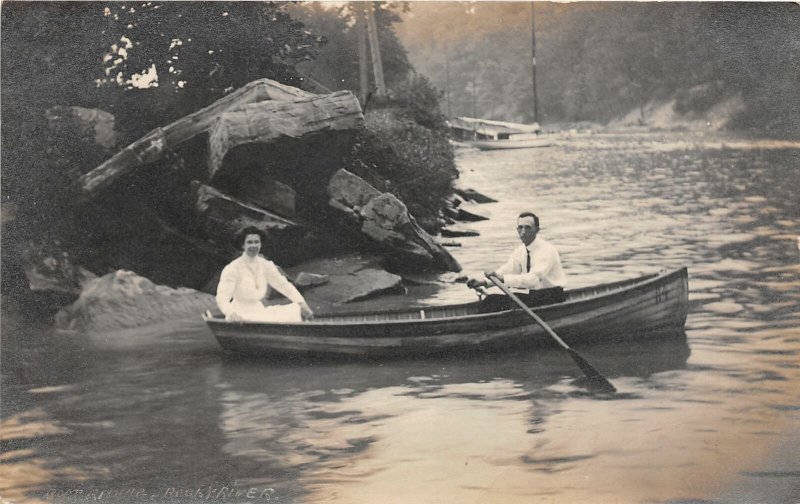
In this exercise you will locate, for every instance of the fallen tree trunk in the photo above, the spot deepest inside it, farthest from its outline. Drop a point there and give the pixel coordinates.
(153, 145)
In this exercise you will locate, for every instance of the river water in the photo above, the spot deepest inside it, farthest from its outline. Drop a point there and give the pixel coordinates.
(159, 415)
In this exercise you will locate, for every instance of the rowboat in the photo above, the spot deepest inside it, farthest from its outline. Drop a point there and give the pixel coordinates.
(640, 309)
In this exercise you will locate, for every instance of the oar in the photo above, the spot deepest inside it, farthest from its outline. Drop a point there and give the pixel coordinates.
(595, 378)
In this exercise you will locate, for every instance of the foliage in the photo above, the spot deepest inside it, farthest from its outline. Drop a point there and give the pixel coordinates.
(46, 60)
(421, 99)
(202, 50)
(412, 162)
(337, 65)
(98, 55)
(404, 148)
(151, 63)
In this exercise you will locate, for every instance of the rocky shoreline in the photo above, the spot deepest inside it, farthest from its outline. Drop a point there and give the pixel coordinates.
(149, 229)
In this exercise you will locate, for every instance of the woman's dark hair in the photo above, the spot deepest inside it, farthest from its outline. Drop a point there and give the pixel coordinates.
(241, 235)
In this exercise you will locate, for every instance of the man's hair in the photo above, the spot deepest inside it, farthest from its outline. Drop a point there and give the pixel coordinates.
(242, 235)
(530, 214)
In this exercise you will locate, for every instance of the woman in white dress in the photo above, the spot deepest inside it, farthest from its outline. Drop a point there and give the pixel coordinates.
(247, 279)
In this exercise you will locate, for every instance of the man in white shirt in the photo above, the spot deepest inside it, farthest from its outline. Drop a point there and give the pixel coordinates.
(534, 265)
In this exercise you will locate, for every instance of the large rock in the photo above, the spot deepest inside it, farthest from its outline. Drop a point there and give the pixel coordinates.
(351, 277)
(473, 195)
(458, 231)
(385, 221)
(221, 216)
(96, 123)
(123, 299)
(269, 194)
(270, 121)
(48, 277)
(157, 143)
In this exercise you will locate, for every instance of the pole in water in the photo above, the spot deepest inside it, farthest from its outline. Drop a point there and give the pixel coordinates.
(596, 380)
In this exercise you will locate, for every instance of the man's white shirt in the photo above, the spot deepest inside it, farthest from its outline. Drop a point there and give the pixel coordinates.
(546, 270)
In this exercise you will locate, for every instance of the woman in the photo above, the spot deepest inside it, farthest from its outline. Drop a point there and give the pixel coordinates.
(246, 280)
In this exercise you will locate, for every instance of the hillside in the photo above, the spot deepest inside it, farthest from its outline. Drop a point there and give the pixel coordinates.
(600, 62)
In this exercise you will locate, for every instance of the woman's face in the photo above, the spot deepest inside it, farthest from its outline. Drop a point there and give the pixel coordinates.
(252, 245)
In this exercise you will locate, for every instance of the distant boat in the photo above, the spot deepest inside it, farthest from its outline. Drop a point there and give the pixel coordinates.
(486, 134)
(522, 141)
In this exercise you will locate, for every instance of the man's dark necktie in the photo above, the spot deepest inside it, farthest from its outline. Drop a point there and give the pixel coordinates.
(528, 264)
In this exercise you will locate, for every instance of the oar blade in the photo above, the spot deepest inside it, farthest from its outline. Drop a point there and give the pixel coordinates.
(596, 380)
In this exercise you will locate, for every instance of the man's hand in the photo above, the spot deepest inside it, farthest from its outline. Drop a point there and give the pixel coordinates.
(306, 311)
(489, 273)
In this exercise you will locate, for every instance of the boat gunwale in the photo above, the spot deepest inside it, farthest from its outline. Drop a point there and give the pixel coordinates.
(615, 289)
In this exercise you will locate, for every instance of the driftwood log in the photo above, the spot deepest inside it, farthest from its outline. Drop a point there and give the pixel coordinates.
(152, 146)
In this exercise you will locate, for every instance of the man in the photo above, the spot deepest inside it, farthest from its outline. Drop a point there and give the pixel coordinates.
(534, 265)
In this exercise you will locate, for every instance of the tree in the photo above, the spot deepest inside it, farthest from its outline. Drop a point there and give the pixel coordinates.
(337, 65)
(195, 52)
(147, 63)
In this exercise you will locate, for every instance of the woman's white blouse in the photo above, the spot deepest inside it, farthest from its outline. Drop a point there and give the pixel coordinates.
(245, 283)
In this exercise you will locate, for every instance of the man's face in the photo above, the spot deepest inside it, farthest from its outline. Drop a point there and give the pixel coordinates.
(526, 229)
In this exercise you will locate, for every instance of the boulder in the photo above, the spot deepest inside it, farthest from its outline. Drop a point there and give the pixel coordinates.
(386, 223)
(306, 280)
(473, 195)
(51, 279)
(351, 277)
(459, 209)
(467, 216)
(457, 231)
(221, 217)
(97, 123)
(123, 299)
(466, 212)
(268, 122)
(269, 194)
(158, 142)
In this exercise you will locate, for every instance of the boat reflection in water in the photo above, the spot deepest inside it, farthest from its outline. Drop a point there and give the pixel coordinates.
(306, 421)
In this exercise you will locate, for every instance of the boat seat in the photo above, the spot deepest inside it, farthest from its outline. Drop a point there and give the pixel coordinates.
(534, 298)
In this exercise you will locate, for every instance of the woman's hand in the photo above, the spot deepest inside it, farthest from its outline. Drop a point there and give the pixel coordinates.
(306, 311)
(474, 283)
(234, 317)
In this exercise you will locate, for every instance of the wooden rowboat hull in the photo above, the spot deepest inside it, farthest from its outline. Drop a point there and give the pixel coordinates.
(639, 309)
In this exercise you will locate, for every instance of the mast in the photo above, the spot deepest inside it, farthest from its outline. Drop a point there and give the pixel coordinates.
(363, 68)
(447, 83)
(375, 49)
(533, 66)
